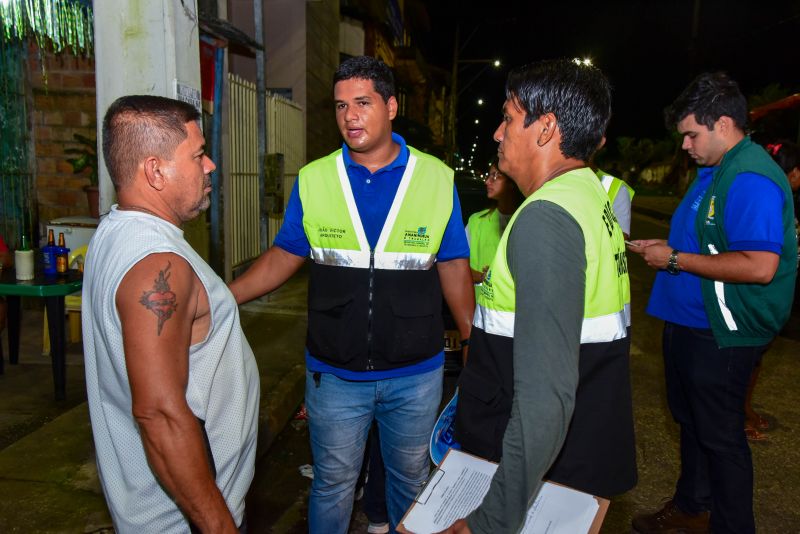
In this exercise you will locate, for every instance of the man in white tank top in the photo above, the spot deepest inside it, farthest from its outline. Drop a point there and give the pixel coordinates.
(172, 383)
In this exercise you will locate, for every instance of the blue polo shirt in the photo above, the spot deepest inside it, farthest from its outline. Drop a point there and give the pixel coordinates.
(752, 222)
(373, 194)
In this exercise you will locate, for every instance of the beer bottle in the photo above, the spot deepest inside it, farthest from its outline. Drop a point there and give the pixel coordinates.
(61, 254)
(49, 254)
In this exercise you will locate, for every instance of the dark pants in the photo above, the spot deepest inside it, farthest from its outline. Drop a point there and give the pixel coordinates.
(706, 388)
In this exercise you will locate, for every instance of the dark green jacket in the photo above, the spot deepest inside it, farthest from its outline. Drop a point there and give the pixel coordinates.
(746, 314)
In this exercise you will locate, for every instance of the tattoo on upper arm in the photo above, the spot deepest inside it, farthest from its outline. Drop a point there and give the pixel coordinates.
(161, 300)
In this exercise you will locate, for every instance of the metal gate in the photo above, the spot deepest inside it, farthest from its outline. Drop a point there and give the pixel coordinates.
(285, 135)
(242, 207)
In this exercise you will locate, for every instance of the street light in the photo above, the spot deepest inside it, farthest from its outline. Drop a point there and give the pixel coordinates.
(480, 101)
(454, 89)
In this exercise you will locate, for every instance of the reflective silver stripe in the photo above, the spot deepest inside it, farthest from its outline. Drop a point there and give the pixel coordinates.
(340, 258)
(391, 217)
(351, 206)
(403, 261)
(359, 259)
(593, 330)
(607, 180)
(499, 323)
(604, 328)
(627, 311)
(719, 289)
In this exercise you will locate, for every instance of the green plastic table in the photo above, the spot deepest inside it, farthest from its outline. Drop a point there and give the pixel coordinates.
(53, 289)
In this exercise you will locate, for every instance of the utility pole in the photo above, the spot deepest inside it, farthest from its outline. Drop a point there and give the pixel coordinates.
(456, 90)
(143, 48)
(261, 109)
(451, 153)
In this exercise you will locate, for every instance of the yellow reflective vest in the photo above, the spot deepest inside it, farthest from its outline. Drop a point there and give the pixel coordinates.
(607, 292)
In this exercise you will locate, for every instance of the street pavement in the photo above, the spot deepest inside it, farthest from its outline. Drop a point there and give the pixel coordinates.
(49, 480)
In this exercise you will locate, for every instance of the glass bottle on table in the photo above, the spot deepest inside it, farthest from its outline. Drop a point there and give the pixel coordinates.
(49, 254)
(62, 254)
(24, 260)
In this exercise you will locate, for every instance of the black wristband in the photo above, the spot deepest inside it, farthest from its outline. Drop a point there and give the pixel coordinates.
(464, 343)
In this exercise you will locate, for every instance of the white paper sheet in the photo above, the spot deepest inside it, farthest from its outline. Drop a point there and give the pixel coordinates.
(460, 483)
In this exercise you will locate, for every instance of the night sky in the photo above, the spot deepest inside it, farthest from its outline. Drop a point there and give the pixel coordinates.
(644, 47)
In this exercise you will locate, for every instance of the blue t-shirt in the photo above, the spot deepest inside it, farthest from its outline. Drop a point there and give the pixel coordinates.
(753, 221)
(373, 194)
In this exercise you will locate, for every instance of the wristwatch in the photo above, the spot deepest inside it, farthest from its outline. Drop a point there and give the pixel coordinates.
(672, 263)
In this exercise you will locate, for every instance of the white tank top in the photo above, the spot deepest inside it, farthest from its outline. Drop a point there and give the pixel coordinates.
(222, 390)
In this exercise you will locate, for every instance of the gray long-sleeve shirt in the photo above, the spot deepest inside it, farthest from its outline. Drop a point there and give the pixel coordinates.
(546, 256)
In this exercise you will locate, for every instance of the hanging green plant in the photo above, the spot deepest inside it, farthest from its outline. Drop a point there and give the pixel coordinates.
(58, 23)
(86, 157)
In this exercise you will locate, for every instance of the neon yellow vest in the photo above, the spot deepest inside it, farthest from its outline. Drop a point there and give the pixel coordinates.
(484, 237)
(414, 226)
(612, 185)
(606, 305)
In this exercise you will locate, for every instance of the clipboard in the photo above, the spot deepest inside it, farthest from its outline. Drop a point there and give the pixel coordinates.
(443, 485)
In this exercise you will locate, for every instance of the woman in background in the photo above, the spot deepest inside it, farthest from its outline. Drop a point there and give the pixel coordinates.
(485, 227)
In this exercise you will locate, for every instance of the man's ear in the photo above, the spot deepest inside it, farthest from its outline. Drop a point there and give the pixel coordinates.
(726, 125)
(548, 126)
(392, 105)
(153, 172)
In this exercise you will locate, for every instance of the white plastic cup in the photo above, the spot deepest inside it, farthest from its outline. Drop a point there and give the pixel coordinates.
(23, 263)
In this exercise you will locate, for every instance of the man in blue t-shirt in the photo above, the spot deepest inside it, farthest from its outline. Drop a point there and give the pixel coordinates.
(382, 225)
(724, 262)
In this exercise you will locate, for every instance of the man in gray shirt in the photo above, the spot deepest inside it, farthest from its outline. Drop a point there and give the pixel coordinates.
(546, 389)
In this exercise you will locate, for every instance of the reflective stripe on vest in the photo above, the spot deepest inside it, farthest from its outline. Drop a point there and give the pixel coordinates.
(612, 185)
(343, 243)
(607, 292)
(719, 290)
(593, 329)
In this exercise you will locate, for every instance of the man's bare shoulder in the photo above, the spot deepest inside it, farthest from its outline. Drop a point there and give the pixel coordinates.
(161, 286)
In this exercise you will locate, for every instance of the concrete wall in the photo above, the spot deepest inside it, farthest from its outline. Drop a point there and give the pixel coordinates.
(322, 58)
(143, 48)
(148, 48)
(63, 104)
(285, 46)
(240, 14)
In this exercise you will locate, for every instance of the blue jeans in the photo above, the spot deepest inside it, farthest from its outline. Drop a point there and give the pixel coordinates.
(340, 413)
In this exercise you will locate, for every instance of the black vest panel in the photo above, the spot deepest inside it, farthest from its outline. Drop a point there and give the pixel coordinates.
(404, 327)
(599, 452)
(485, 392)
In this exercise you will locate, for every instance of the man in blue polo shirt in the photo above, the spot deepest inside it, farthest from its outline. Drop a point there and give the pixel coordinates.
(724, 289)
(381, 223)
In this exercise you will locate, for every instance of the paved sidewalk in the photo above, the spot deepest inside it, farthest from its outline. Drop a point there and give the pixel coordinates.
(48, 476)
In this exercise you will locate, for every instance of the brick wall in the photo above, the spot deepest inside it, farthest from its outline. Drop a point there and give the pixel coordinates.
(62, 104)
